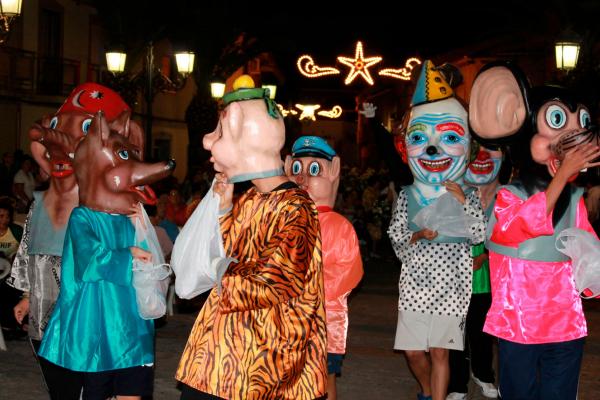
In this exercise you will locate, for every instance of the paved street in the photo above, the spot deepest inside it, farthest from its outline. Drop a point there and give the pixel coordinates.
(372, 370)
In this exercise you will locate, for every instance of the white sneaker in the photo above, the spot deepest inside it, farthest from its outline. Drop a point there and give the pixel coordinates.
(487, 389)
(456, 396)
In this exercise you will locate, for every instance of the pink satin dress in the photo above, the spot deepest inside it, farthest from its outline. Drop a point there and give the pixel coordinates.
(342, 271)
(532, 301)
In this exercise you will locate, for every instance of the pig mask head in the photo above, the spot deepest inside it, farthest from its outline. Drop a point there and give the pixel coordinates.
(249, 136)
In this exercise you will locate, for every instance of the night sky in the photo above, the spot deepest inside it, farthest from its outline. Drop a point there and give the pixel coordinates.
(326, 29)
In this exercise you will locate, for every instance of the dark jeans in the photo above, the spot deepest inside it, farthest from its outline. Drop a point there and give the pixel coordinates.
(62, 383)
(478, 348)
(548, 371)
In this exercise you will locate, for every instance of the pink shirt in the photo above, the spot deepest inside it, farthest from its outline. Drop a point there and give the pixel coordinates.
(532, 301)
(342, 271)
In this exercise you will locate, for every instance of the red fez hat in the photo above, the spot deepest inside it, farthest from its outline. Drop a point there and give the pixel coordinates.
(91, 98)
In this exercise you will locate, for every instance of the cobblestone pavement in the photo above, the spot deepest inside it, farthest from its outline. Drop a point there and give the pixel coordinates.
(371, 370)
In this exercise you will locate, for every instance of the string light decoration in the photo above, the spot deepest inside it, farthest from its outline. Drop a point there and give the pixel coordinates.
(308, 111)
(286, 112)
(308, 68)
(401, 73)
(359, 65)
(335, 112)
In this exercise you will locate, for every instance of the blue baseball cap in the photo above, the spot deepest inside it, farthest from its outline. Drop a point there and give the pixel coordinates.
(312, 146)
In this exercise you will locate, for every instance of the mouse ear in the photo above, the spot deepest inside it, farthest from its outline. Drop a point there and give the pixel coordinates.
(499, 105)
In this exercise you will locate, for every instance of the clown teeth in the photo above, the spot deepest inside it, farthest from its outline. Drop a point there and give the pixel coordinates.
(436, 165)
(482, 166)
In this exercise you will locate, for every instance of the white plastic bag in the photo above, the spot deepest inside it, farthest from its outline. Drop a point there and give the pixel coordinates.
(150, 280)
(446, 216)
(198, 258)
(584, 250)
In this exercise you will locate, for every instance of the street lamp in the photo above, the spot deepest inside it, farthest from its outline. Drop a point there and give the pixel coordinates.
(217, 89)
(9, 10)
(567, 50)
(152, 80)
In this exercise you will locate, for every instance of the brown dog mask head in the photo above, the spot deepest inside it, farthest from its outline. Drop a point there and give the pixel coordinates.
(109, 168)
(73, 120)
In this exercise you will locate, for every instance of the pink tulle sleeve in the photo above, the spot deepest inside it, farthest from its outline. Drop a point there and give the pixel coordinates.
(519, 220)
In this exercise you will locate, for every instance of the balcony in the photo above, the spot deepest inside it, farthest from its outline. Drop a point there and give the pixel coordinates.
(25, 73)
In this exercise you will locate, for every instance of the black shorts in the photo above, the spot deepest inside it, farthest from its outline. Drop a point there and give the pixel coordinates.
(134, 381)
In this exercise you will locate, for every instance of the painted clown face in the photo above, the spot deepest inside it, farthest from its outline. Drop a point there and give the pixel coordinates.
(437, 142)
(484, 168)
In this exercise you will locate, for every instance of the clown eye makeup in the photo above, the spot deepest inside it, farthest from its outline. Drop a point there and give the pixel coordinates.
(416, 138)
(296, 167)
(314, 168)
(124, 154)
(85, 126)
(451, 138)
(54, 123)
(556, 117)
(584, 118)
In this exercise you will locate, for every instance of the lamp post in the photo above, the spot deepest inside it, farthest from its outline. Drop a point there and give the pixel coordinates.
(9, 10)
(217, 89)
(567, 50)
(152, 80)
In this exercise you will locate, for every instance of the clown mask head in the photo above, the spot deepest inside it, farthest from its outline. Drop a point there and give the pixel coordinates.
(485, 167)
(315, 167)
(437, 142)
(437, 136)
(250, 134)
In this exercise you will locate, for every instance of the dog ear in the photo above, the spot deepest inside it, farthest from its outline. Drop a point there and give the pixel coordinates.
(499, 104)
(136, 137)
(99, 128)
(121, 123)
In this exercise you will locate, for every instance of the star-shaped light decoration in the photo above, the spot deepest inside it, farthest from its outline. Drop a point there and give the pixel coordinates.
(359, 65)
(308, 111)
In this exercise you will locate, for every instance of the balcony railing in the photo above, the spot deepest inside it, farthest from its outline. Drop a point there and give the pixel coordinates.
(24, 72)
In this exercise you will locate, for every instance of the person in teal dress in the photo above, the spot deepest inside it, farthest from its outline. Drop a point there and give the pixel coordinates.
(96, 327)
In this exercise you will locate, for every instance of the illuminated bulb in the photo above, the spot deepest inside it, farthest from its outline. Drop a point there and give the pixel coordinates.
(308, 111)
(359, 65)
(401, 73)
(335, 112)
(307, 67)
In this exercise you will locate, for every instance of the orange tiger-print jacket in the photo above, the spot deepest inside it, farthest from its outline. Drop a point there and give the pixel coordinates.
(264, 335)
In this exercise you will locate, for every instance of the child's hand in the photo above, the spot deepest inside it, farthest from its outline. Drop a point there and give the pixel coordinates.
(578, 159)
(21, 309)
(224, 189)
(136, 212)
(456, 191)
(140, 254)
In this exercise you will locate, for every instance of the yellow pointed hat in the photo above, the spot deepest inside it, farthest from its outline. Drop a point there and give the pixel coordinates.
(431, 86)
